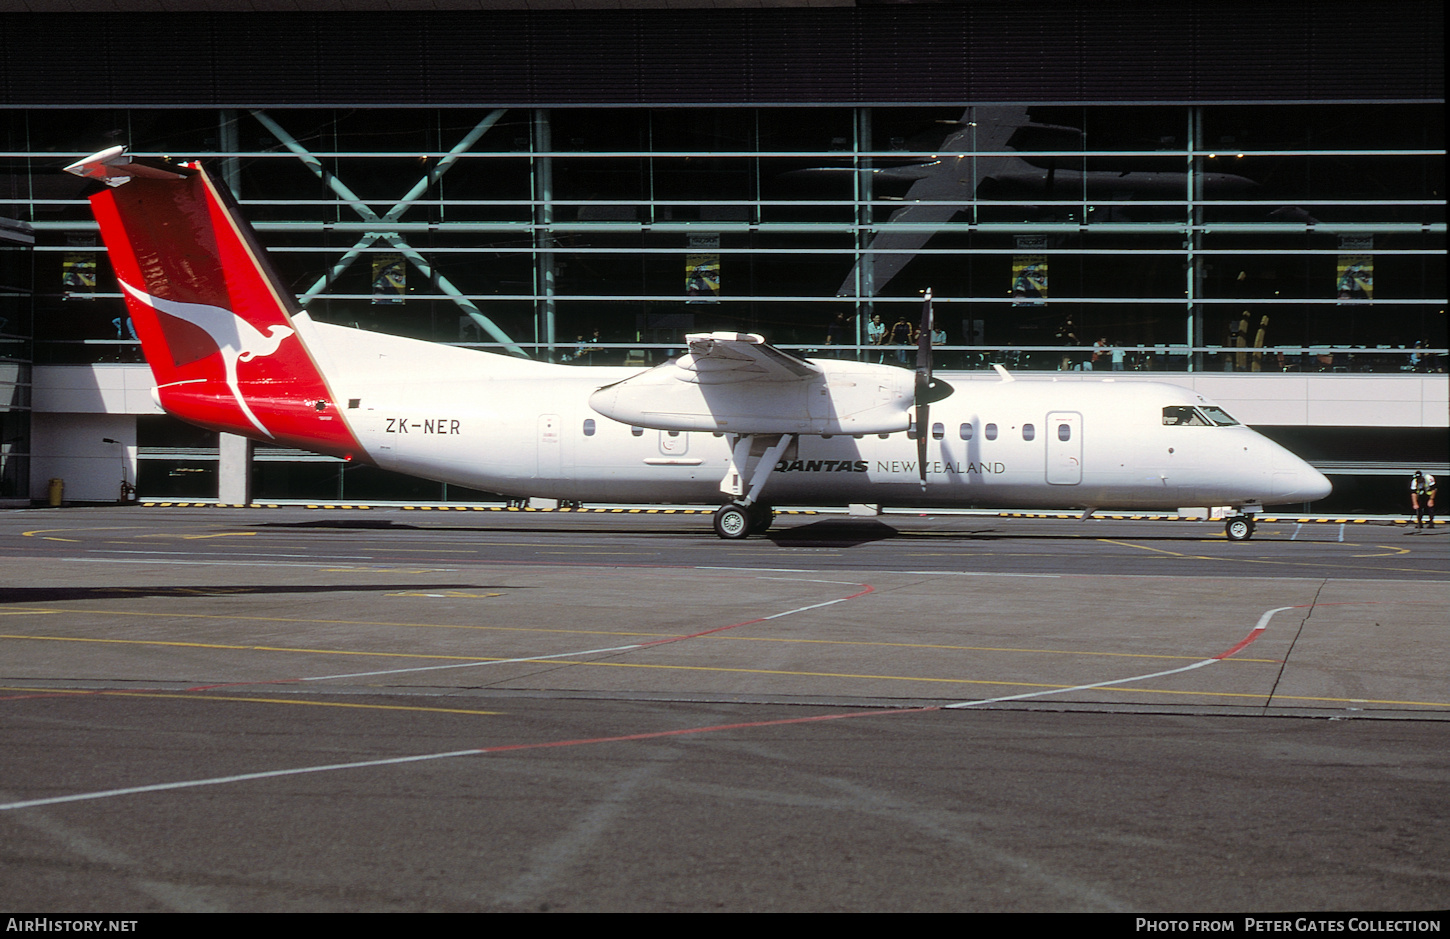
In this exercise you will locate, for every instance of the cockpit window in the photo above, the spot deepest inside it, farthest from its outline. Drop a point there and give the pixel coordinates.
(1179, 415)
(1218, 415)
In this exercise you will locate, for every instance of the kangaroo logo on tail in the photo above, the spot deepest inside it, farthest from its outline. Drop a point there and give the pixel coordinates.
(235, 338)
(198, 285)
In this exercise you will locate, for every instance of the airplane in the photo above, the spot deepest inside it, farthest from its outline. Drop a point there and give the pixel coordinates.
(734, 420)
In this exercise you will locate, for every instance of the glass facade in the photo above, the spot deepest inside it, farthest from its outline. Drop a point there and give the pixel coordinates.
(1224, 237)
(1305, 237)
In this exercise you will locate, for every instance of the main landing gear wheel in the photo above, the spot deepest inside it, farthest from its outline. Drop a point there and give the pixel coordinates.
(1239, 528)
(733, 522)
(760, 518)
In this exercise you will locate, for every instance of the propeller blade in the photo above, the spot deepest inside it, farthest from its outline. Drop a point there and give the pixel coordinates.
(923, 383)
(923, 343)
(923, 416)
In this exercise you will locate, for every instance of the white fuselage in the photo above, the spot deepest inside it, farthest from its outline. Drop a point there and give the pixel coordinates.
(524, 428)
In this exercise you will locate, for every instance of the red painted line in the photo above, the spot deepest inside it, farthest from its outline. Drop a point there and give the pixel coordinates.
(746, 725)
(1243, 643)
(1263, 625)
(751, 622)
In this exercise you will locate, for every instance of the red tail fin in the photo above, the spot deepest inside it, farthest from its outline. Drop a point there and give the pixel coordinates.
(215, 326)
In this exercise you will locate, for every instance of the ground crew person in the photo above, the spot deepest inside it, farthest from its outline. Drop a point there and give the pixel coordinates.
(1422, 498)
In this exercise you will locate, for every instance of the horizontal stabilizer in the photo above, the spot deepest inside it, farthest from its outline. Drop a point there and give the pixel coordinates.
(114, 166)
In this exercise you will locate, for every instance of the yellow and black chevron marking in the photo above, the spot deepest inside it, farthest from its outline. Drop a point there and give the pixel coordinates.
(448, 508)
(1178, 518)
(1301, 519)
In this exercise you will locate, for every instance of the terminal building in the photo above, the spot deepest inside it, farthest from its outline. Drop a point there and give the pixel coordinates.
(1245, 198)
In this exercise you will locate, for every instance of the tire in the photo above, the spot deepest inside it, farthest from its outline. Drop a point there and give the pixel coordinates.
(761, 516)
(732, 522)
(1239, 528)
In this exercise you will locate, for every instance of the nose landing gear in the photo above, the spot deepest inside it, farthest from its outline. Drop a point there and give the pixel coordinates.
(1239, 528)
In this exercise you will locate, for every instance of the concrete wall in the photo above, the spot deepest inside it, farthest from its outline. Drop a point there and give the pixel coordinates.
(71, 447)
(93, 389)
(1281, 399)
(75, 408)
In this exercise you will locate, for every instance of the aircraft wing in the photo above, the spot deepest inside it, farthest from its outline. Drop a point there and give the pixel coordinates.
(720, 358)
(737, 383)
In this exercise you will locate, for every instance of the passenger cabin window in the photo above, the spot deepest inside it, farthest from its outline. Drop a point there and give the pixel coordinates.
(938, 431)
(1064, 431)
(991, 431)
(966, 431)
(589, 427)
(1028, 431)
(1178, 415)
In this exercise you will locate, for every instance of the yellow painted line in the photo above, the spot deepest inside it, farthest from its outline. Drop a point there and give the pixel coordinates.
(1392, 551)
(445, 595)
(610, 553)
(917, 679)
(220, 534)
(624, 633)
(26, 612)
(303, 544)
(487, 658)
(1176, 554)
(50, 531)
(951, 648)
(346, 622)
(252, 700)
(383, 570)
(1272, 561)
(1264, 696)
(245, 648)
(1271, 699)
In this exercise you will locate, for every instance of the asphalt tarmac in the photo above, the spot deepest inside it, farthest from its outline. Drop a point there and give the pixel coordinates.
(212, 709)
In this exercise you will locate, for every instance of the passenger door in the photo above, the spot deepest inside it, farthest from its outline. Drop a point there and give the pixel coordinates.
(1064, 448)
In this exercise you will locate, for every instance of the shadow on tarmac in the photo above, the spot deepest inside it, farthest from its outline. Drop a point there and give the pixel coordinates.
(191, 592)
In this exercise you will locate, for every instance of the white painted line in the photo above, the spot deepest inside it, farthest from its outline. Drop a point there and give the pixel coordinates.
(1100, 684)
(438, 668)
(802, 609)
(395, 761)
(576, 653)
(222, 780)
(814, 580)
(980, 574)
(751, 570)
(1259, 627)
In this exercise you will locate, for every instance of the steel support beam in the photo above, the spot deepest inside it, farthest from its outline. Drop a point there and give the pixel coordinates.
(394, 239)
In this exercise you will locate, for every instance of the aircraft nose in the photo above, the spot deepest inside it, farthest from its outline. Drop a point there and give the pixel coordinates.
(1302, 483)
